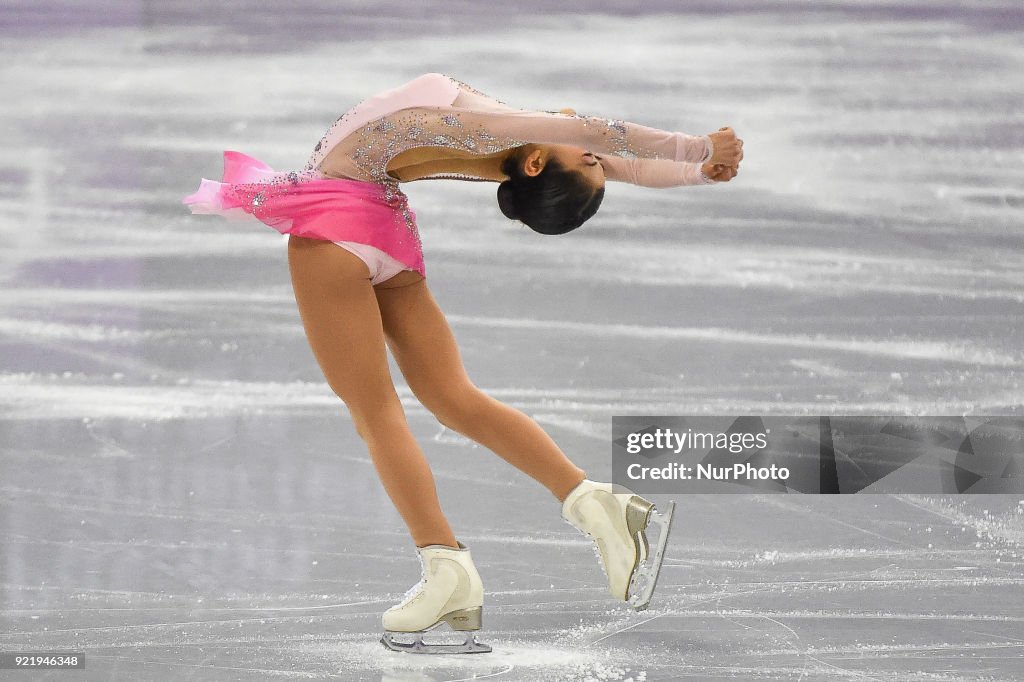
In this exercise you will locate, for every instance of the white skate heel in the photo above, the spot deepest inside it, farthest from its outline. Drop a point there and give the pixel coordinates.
(451, 592)
(617, 521)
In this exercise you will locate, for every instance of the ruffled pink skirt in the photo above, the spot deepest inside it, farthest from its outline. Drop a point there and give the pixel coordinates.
(308, 204)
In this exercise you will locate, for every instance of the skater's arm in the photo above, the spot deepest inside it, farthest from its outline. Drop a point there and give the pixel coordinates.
(486, 132)
(490, 131)
(512, 128)
(718, 149)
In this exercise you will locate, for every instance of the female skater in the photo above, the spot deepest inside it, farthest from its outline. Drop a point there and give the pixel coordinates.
(371, 294)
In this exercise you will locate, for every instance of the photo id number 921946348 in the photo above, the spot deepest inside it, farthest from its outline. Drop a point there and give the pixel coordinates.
(41, 660)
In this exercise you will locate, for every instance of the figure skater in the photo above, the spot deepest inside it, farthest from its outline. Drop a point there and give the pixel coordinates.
(371, 294)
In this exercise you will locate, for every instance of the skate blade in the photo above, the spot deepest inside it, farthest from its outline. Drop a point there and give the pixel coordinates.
(393, 641)
(641, 587)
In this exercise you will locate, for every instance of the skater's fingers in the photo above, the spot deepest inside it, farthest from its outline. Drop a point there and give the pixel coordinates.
(726, 149)
(727, 174)
(721, 175)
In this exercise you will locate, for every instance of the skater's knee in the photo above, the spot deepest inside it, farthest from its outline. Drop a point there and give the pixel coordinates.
(460, 408)
(375, 423)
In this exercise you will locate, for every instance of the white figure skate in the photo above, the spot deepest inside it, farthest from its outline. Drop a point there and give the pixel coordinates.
(450, 591)
(617, 520)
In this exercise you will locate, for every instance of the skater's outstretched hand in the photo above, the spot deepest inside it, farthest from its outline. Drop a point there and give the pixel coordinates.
(728, 148)
(719, 173)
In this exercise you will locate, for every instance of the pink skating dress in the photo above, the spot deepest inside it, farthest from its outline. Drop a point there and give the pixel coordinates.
(346, 195)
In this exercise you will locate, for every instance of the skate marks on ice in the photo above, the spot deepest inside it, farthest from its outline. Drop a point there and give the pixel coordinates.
(933, 601)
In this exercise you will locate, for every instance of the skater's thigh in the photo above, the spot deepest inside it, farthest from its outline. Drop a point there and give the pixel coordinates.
(423, 345)
(343, 325)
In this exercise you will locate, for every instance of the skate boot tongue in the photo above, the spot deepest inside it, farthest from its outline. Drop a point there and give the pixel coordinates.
(585, 486)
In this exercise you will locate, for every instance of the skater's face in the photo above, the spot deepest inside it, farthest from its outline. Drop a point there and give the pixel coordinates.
(572, 158)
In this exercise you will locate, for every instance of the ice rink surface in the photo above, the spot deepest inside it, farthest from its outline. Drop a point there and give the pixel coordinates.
(183, 498)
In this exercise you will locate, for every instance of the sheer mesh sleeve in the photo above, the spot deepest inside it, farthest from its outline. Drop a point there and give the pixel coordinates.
(654, 172)
(472, 122)
(486, 132)
(627, 139)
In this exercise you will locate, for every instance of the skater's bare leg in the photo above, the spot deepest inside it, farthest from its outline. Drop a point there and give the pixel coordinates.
(343, 324)
(425, 349)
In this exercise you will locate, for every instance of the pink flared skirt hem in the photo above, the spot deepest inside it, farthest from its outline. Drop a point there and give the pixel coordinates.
(311, 205)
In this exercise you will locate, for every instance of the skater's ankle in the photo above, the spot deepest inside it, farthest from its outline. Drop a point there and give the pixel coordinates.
(562, 493)
(453, 544)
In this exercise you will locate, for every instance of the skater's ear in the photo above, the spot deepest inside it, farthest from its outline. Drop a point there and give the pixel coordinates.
(534, 163)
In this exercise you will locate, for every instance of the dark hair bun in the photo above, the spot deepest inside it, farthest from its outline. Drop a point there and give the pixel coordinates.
(554, 201)
(507, 200)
